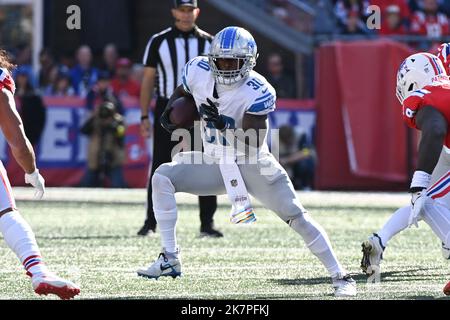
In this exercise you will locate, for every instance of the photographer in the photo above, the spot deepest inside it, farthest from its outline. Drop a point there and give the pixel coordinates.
(106, 151)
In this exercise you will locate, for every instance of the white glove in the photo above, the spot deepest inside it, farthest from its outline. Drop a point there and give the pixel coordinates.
(38, 182)
(418, 200)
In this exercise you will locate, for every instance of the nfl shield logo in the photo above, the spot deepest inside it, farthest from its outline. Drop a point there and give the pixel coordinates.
(234, 183)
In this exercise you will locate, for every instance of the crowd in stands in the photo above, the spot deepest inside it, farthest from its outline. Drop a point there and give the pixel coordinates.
(102, 86)
(429, 18)
(398, 17)
(77, 75)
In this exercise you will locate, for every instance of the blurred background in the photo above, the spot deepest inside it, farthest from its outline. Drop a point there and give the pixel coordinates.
(332, 62)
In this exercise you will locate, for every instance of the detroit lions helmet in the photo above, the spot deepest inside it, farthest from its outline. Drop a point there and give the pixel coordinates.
(418, 71)
(233, 43)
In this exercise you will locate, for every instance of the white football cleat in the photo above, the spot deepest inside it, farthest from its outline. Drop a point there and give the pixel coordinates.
(48, 283)
(162, 267)
(344, 286)
(372, 254)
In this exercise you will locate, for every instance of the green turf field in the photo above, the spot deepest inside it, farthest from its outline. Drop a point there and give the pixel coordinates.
(89, 237)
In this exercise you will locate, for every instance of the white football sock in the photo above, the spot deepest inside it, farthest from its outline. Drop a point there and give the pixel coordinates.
(396, 223)
(20, 238)
(437, 216)
(317, 241)
(165, 208)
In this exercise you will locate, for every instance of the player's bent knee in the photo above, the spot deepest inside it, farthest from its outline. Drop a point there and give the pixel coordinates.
(163, 170)
(290, 210)
(161, 182)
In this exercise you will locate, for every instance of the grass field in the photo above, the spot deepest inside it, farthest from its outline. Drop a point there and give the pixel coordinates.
(90, 237)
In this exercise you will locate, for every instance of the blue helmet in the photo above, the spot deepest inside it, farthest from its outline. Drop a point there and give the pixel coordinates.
(233, 43)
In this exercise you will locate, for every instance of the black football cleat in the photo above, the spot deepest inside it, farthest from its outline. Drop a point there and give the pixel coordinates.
(210, 232)
(146, 230)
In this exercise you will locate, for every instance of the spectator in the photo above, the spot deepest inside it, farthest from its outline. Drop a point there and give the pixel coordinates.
(61, 86)
(83, 75)
(32, 109)
(123, 84)
(110, 57)
(297, 157)
(106, 150)
(102, 92)
(283, 83)
(392, 22)
(278, 10)
(405, 11)
(444, 6)
(48, 69)
(356, 10)
(23, 59)
(429, 21)
(415, 5)
(354, 25)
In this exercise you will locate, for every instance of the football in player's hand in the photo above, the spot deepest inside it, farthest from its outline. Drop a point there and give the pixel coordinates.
(184, 112)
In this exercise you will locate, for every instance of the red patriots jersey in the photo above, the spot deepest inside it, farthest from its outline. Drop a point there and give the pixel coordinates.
(436, 96)
(6, 81)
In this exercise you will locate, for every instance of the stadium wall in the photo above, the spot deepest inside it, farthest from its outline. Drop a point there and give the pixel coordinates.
(362, 142)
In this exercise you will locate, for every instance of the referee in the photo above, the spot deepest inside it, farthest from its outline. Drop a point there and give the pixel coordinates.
(165, 56)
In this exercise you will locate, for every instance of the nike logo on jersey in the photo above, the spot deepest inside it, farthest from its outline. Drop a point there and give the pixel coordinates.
(264, 91)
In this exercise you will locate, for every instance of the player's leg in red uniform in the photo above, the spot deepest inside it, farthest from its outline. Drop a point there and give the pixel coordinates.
(20, 238)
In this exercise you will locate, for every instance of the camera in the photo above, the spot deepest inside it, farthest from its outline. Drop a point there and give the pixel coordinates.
(106, 110)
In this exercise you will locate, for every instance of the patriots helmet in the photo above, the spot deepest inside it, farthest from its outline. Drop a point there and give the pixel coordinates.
(417, 71)
(232, 43)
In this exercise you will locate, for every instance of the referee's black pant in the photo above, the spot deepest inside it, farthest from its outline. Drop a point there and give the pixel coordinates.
(162, 148)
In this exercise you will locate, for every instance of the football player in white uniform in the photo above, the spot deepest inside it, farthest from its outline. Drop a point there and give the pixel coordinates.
(231, 96)
(16, 231)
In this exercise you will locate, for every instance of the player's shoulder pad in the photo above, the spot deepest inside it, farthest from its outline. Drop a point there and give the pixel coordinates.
(263, 95)
(415, 98)
(196, 67)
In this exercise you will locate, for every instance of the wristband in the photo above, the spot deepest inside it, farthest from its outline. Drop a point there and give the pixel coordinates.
(144, 117)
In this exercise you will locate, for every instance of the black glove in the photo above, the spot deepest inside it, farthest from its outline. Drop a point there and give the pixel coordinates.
(211, 114)
(165, 121)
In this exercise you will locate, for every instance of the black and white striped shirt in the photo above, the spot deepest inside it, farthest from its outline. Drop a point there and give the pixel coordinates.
(168, 52)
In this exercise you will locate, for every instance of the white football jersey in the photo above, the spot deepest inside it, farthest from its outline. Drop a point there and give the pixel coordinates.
(252, 95)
